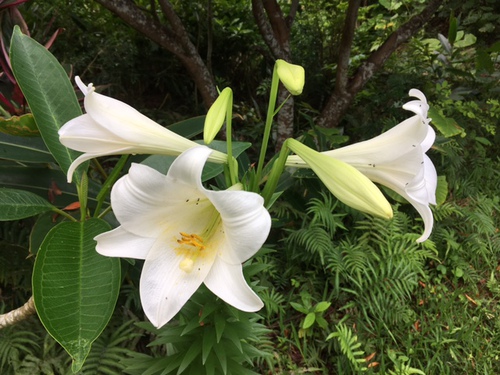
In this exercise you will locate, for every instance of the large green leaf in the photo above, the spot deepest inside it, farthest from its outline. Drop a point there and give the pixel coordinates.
(29, 150)
(20, 204)
(47, 89)
(75, 289)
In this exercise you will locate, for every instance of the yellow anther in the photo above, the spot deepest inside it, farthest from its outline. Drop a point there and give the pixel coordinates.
(197, 237)
(191, 240)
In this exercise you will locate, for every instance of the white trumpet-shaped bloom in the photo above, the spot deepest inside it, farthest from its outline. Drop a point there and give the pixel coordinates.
(397, 160)
(186, 234)
(111, 127)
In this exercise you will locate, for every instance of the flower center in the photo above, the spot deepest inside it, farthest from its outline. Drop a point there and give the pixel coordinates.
(195, 241)
(193, 245)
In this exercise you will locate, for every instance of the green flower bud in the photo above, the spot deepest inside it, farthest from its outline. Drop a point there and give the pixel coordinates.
(292, 76)
(216, 115)
(344, 181)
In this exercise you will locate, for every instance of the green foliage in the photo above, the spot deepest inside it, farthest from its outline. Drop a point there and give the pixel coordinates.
(206, 339)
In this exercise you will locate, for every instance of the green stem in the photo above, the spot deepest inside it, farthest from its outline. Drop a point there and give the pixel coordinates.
(109, 183)
(105, 212)
(99, 168)
(267, 129)
(232, 163)
(275, 174)
(63, 213)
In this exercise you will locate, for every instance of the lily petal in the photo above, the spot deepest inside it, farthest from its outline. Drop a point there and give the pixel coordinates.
(227, 282)
(113, 127)
(164, 286)
(121, 243)
(246, 223)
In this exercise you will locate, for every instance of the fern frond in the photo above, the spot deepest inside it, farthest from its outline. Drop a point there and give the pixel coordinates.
(110, 349)
(323, 213)
(315, 240)
(349, 346)
(15, 344)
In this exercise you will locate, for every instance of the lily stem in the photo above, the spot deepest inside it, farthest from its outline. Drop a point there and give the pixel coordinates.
(109, 183)
(267, 129)
(232, 163)
(275, 174)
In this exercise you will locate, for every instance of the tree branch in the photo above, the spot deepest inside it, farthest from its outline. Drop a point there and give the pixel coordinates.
(18, 315)
(346, 90)
(174, 39)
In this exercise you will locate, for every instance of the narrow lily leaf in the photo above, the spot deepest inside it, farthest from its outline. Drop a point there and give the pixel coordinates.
(47, 89)
(75, 289)
(24, 149)
(23, 126)
(188, 128)
(43, 181)
(20, 204)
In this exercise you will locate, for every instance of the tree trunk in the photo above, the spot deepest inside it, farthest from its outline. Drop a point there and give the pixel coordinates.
(275, 30)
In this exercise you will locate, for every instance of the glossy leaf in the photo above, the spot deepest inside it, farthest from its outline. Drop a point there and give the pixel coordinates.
(188, 128)
(20, 204)
(75, 289)
(43, 181)
(309, 320)
(24, 149)
(48, 91)
(447, 126)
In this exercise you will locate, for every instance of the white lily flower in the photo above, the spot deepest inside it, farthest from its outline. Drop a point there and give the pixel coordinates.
(397, 160)
(187, 235)
(112, 127)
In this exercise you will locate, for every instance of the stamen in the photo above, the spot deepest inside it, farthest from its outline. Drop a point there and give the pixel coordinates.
(191, 240)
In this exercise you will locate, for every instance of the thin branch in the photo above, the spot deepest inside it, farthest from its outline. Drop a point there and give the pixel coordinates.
(18, 315)
(344, 92)
(398, 37)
